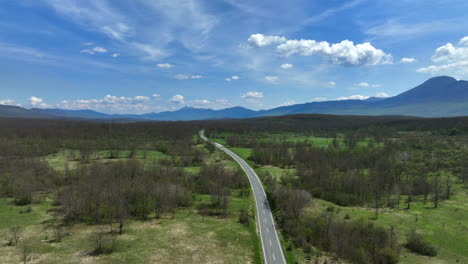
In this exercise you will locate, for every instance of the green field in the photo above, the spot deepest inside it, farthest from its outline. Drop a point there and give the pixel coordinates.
(186, 238)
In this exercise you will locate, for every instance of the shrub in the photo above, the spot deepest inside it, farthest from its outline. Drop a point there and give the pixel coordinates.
(416, 244)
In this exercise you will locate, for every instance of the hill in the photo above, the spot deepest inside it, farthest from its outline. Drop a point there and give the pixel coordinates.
(437, 97)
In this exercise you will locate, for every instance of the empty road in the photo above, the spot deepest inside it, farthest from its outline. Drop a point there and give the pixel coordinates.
(272, 251)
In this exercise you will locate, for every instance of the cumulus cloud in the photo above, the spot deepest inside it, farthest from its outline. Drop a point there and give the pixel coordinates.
(463, 41)
(94, 50)
(110, 103)
(37, 102)
(319, 99)
(352, 97)
(272, 79)
(186, 76)
(260, 40)
(450, 53)
(252, 95)
(286, 66)
(156, 96)
(164, 65)
(177, 99)
(345, 53)
(408, 60)
(332, 84)
(115, 55)
(455, 59)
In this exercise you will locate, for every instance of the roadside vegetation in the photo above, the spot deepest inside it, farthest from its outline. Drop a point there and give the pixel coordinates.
(383, 192)
(73, 192)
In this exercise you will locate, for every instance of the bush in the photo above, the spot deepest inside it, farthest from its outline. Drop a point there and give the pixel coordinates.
(243, 217)
(386, 256)
(416, 244)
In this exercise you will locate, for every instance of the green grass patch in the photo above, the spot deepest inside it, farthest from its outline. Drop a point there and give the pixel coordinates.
(445, 227)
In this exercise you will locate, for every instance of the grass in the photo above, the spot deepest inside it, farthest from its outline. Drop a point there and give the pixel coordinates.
(187, 238)
(60, 159)
(444, 227)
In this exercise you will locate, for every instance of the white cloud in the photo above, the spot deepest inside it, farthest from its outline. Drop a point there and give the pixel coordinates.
(8, 102)
(361, 84)
(94, 50)
(382, 95)
(365, 84)
(156, 96)
(186, 76)
(182, 77)
(177, 99)
(260, 40)
(202, 102)
(252, 95)
(344, 53)
(319, 99)
(272, 79)
(408, 60)
(455, 59)
(164, 65)
(450, 53)
(232, 78)
(99, 49)
(463, 41)
(110, 103)
(460, 68)
(286, 66)
(332, 84)
(115, 55)
(37, 102)
(353, 97)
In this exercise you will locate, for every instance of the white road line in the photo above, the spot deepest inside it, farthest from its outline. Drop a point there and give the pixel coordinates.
(273, 257)
(268, 230)
(270, 242)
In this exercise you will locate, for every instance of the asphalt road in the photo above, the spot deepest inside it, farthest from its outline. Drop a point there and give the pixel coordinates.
(272, 251)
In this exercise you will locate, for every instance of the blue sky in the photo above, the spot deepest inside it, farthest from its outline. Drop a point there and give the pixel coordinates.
(141, 56)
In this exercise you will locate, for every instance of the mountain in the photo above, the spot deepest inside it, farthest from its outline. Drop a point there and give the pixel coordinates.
(19, 112)
(437, 97)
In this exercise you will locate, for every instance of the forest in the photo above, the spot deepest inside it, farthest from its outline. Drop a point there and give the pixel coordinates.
(338, 184)
(376, 166)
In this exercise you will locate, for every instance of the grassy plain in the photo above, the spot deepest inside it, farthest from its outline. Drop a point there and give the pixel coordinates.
(187, 237)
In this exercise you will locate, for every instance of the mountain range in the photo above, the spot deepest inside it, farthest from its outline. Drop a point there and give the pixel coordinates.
(437, 97)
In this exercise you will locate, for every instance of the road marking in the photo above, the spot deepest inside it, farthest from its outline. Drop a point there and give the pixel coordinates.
(264, 219)
(270, 242)
(273, 257)
(268, 230)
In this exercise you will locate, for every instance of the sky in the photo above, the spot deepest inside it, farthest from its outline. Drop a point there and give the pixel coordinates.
(141, 56)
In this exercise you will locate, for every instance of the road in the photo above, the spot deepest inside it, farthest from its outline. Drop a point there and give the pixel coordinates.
(271, 246)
